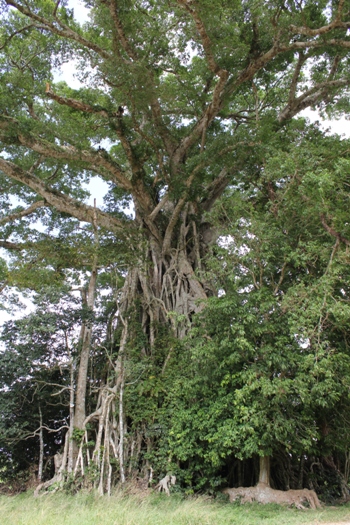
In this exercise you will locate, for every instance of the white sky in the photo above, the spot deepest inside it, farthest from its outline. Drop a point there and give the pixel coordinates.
(341, 126)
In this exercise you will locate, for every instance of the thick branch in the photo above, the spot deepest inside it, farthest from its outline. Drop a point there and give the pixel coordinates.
(178, 208)
(204, 122)
(315, 44)
(310, 97)
(65, 31)
(163, 131)
(78, 105)
(95, 160)
(98, 158)
(60, 201)
(293, 87)
(215, 190)
(307, 31)
(213, 66)
(113, 7)
(159, 206)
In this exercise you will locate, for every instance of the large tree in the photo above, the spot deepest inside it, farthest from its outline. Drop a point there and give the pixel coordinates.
(179, 100)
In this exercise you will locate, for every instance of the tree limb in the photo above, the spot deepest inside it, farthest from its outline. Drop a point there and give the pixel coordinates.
(78, 105)
(310, 97)
(60, 201)
(213, 66)
(95, 160)
(332, 231)
(23, 213)
(307, 31)
(12, 246)
(65, 32)
(113, 8)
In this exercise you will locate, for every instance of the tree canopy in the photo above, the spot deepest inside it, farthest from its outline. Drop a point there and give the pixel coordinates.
(211, 325)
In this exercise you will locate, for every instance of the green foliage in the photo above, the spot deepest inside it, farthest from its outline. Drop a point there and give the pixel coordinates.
(267, 364)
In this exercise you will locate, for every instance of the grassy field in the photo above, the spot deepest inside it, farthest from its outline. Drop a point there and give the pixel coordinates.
(89, 509)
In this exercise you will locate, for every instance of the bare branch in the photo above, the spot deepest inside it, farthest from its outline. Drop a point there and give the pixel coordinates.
(43, 427)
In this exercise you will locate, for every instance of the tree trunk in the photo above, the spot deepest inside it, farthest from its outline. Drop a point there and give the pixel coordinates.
(41, 448)
(264, 470)
(88, 298)
(85, 338)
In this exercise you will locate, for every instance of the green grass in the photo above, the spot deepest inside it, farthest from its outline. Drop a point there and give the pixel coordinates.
(89, 509)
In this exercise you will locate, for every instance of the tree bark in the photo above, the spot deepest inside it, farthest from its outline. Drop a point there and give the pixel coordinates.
(85, 338)
(41, 448)
(264, 470)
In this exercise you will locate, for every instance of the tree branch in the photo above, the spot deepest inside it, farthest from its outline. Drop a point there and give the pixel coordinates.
(23, 213)
(78, 105)
(113, 7)
(95, 160)
(213, 66)
(301, 61)
(135, 186)
(62, 202)
(204, 122)
(65, 30)
(307, 31)
(12, 246)
(310, 97)
(332, 231)
(25, 28)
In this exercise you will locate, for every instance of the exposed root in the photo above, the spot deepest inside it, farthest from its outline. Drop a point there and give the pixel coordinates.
(262, 493)
(165, 484)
